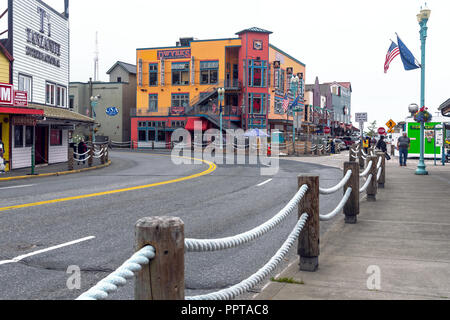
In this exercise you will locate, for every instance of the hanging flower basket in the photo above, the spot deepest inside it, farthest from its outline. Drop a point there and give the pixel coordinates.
(423, 115)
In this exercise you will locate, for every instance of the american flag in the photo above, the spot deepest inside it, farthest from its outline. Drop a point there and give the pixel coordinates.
(392, 53)
(286, 103)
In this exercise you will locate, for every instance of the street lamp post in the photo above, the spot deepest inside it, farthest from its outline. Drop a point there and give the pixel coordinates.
(295, 81)
(221, 92)
(94, 103)
(422, 18)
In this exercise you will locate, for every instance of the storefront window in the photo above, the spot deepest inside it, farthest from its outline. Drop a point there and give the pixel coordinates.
(18, 136)
(209, 72)
(180, 102)
(55, 137)
(142, 136)
(257, 71)
(29, 136)
(257, 103)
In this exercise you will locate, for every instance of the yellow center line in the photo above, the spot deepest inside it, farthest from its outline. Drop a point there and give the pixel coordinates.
(212, 168)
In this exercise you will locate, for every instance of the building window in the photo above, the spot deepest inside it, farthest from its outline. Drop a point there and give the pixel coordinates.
(180, 101)
(25, 84)
(142, 136)
(61, 96)
(151, 135)
(119, 79)
(18, 136)
(257, 71)
(209, 72)
(257, 103)
(56, 137)
(50, 94)
(152, 103)
(71, 102)
(29, 136)
(180, 73)
(153, 74)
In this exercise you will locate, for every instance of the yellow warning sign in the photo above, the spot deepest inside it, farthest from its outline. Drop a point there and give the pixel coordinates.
(391, 124)
(391, 131)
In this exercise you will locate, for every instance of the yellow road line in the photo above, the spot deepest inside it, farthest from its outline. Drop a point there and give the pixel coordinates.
(212, 168)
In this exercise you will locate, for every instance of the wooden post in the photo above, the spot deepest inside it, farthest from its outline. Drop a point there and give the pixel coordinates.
(360, 158)
(70, 159)
(383, 170)
(372, 188)
(106, 153)
(163, 278)
(351, 153)
(392, 150)
(91, 154)
(103, 149)
(351, 208)
(308, 242)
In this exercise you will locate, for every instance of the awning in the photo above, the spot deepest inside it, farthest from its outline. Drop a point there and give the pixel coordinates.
(63, 114)
(24, 111)
(190, 125)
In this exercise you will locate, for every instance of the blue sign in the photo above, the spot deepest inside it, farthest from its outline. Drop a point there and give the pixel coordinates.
(112, 111)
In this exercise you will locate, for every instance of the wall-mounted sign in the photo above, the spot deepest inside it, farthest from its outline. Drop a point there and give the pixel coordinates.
(174, 54)
(257, 45)
(6, 94)
(24, 121)
(276, 64)
(289, 70)
(112, 111)
(21, 98)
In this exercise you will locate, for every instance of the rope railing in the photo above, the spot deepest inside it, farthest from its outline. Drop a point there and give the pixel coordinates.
(200, 245)
(119, 277)
(252, 281)
(339, 186)
(366, 185)
(380, 171)
(366, 172)
(380, 160)
(339, 208)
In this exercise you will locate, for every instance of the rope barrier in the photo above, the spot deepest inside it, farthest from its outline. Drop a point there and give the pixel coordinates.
(252, 281)
(380, 160)
(339, 186)
(80, 155)
(366, 172)
(364, 154)
(366, 185)
(339, 208)
(380, 170)
(196, 245)
(119, 277)
(79, 160)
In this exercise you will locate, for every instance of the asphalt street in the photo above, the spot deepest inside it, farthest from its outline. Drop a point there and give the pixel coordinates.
(42, 213)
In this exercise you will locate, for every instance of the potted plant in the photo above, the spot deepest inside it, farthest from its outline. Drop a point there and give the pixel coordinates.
(423, 115)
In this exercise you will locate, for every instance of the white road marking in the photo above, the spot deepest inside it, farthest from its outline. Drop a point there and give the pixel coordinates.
(265, 182)
(17, 187)
(20, 258)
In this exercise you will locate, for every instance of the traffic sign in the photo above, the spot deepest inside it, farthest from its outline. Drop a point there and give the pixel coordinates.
(391, 124)
(391, 131)
(361, 117)
(327, 130)
(381, 131)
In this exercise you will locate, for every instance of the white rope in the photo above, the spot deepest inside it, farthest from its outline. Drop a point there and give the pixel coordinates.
(79, 154)
(364, 154)
(206, 245)
(354, 157)
(119, 277)
(79, 160)
(339, 186)
(366, 172)
(339, 208)
(114, 142)
(380, 160)
(252, 281)
(380, 170)
(366, 185)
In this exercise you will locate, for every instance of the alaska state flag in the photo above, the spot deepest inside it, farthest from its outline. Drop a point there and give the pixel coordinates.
(409, 62)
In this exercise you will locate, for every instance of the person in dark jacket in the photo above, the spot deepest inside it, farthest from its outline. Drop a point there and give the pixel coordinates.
(381, 145)
(82, 148)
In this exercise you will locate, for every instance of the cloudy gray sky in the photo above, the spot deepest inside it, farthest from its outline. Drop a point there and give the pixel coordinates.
(343, 40)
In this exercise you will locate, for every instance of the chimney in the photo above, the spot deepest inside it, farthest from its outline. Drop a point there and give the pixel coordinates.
(66, 8)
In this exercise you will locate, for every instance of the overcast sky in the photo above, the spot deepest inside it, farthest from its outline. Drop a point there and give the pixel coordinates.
(343, 40)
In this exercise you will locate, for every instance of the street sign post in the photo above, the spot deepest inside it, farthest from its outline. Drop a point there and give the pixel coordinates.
(381, 131)
(361, 117)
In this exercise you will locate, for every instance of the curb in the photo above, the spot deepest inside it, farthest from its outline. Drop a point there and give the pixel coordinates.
(57, 173)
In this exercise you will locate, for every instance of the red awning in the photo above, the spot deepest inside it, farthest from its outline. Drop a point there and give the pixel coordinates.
(15, 110)
(190, 125)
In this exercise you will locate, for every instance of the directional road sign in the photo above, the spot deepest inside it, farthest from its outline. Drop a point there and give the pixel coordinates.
(391, 124)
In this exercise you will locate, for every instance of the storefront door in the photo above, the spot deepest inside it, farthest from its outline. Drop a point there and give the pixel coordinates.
(41, 145)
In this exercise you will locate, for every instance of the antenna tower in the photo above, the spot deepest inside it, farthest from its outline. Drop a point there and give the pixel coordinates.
(96, 58)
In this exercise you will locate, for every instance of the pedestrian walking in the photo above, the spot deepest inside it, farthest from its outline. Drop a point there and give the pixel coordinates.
(2, 160)
(381, 145)
(82, 149)
(366, 145)
(403, 145)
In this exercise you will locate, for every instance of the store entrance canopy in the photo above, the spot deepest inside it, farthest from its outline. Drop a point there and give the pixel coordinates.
(190, 125)
(24, 111)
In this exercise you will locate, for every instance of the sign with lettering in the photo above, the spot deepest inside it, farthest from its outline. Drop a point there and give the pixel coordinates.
(361, 117)
(6, 94)
(174, 54)
(112, 111)
(21, 98)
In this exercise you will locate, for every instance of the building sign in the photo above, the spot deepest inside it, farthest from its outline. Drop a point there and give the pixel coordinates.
(24, 121)
(174, 54)
(6, 94)
(177, 110)
(112, 111)
(21, 98)
(257, 45)
(361, 117)
(276, 65)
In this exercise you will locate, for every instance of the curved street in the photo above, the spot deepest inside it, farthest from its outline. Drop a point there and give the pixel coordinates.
(101, 208)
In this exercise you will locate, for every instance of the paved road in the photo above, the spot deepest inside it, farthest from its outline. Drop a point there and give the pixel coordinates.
(227, 201)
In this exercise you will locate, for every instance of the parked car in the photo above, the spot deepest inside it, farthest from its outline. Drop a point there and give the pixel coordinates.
(348, 142)
(339, 142)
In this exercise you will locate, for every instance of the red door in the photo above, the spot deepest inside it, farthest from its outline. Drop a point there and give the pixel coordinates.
(41, 145)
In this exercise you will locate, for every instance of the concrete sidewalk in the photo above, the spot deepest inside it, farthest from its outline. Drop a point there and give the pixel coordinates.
(48, 170)
(406, 234)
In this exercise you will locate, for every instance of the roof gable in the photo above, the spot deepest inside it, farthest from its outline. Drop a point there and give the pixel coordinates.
(130, 68)
(254, 29)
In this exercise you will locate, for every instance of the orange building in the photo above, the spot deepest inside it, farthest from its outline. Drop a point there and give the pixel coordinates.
(179, 85)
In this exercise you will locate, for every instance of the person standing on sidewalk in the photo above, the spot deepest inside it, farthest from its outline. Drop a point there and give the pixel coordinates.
(2, 160)
(82, 149)
(403, 145)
